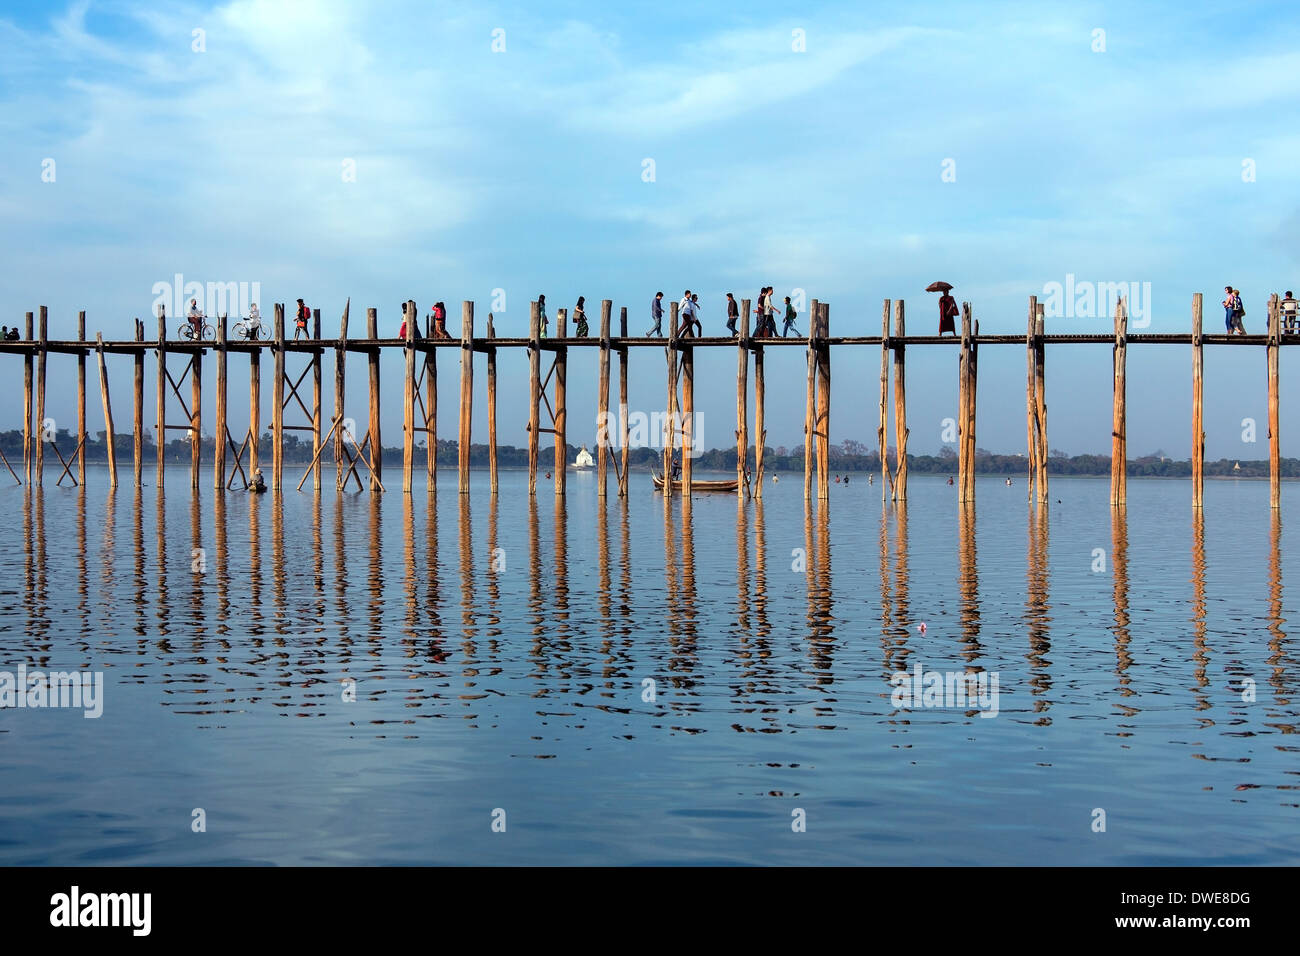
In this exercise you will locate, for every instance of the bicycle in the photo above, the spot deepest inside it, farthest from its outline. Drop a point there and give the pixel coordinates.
(187, 331)
(241, 331)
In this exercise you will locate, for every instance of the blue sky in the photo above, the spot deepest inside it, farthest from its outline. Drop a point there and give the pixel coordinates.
(819, 170)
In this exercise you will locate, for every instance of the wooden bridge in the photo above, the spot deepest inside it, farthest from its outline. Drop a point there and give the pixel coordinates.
(237, 453)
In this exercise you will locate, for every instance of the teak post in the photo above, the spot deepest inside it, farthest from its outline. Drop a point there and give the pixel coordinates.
(1274, 445)
(602, 402)
(760, 432)
(966, 431)
(340, 376)
(886, 476)
(431, 416)
(254, 407)
(28, 359)
(688, 420)
(1031, 398)
(670, 423)
(137, 405)
(900, 405)
(561, 371)
(622, 400)
(376, 443)
(317, 354)
(810, 404)
(161, 423)
(822, 425)
(534, 391)
(1040, 400)
(196, 415)
(1198, 425)
(492, 406)
(742, 402)
(1119, 440)
(219, 420)
(81, 401)
(277, 405)
(42, 331)
(466, 390)
(108, 410)
(408, 399)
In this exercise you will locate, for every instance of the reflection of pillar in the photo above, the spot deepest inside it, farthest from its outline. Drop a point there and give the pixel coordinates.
(1037, 610)
(1119, 571)
(1201, 657)
(969, 582)
(1276, 636)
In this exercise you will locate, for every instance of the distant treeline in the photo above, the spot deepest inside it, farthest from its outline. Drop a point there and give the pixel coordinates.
(848, 456)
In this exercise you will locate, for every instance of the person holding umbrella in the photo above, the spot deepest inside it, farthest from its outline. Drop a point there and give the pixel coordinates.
(947, 307)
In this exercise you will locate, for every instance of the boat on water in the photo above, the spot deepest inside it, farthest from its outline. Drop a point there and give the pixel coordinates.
(697, 484)
(584, 459)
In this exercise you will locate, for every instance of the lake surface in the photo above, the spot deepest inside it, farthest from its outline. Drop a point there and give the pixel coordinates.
(503, 654)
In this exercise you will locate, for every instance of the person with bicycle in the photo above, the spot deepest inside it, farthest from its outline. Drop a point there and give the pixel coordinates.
(253, 325)
(196, 318)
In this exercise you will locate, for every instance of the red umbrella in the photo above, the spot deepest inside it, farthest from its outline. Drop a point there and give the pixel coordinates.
(939, 287)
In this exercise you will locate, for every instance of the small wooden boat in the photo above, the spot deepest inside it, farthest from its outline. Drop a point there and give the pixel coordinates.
(697, 484)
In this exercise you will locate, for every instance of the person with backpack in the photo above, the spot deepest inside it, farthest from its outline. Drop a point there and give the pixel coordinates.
(1238, 312)
(1290, 313)
(300, 321)
(947, 314)
(580, 317)
(790, 316)
(440, 321)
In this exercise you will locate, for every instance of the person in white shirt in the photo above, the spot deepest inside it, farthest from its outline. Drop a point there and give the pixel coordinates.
(196, 317)
(254, 323)
(684, 310)
(1289, 313)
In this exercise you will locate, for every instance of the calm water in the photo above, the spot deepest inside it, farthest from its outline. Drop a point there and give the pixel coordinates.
(499, 653)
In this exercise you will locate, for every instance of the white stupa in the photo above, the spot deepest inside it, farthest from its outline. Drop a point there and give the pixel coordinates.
(584, 459)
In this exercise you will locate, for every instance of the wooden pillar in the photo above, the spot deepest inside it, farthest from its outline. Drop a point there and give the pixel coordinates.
(760, 431)
(431, 417)
(408, 399)
(810, 404)
(219, 422)
(886, 476)
(254, 407)
(28, 449)
(81, 399)
(1198, 425)
(466, 389)
(1274, 436)
(42, 331)
(277, 406)
(670, 425)
(688, 420)
(196, 416)
(316, 404)
(534, 392)
(561, 409)
(1119, 428)
(1031, 398)
(1040, 400)
(492, 407)
(822, 423)
(970, 377)
(137, 405)
(900, 405)
(108, 410)
(162, 392)
(376, 441)
(602, 403)
(340, 381)
(622, 400)
(742, 402)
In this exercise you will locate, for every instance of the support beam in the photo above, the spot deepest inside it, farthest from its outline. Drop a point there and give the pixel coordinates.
(1040, 400)
(561, 414)
(219, 429)
(108, 411)
(316, 405)
(137, 406)
(408, 398)
(886, 475)
(376, 444)
(42, 331)
(810, 404)
(254, 408)
(966, 429)
(28, 447)
(340, 381)
(431, 418)
(760, 430)
(822, 423)
(688, 421)
(1119, 428)
(196, 416)
(161, 421)
(602, 403)
(622, 402)
(1031, 399)
(277, 404)
(1198, 424)
(81, 401)
(742, 403)
(670, 423)
(466, 391)
(492, 407)
(1274, 436)
(534, 392)
(900, 405)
